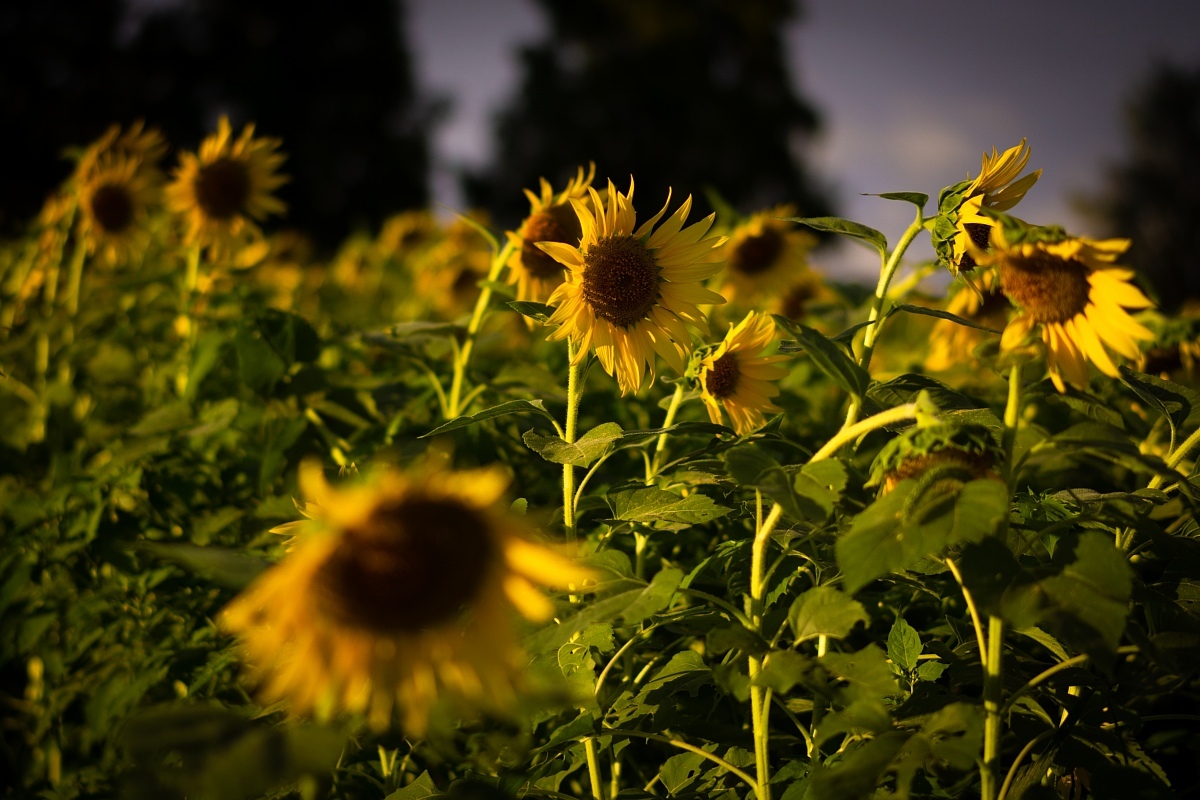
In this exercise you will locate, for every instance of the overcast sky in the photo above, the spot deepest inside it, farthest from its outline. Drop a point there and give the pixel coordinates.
(911, 93)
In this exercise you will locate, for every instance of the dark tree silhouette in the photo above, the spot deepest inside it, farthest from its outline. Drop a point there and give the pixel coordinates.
(1154, 195)
(690, 95)
(334, 83)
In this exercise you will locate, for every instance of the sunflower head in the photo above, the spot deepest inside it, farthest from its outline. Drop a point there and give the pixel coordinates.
(115, 198)
(448, 272)
(222, 191)
(552, 218)
(941, 451)
(737, 380)
(398, 594)
(963, 224)
(765, 253)
(138, 143)
(633, 291)
(1069, 289)
(980, 302)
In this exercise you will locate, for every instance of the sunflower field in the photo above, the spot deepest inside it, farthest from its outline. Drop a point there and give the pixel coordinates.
(618, 504)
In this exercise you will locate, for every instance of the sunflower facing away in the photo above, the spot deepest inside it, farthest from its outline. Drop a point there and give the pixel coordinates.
(397, 596)
(224, 189)
(998, 188)
(551, 218)
(630, 292)
(764, 253)
(115, 198)
(1074, 293)
(734, 377)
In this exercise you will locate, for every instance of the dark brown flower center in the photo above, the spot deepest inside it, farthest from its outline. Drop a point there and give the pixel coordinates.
(980, 235)
(620, 280)
(722, 380)
(554, 224)
(112, 207)
(222, 188)
(758, 252)
(414, 564)
(795, 303)
(977, 465)
(1162, 360)
(1049, 288)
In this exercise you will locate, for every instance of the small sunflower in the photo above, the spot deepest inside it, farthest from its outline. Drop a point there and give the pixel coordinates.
(807, 291)
(997, 188)
(449, 272)
(984, 304)
(734, 377)
(551, 218)
(225, 188)
(398, 595)
(765, 253)
(115, 199)
(139, 143)
(1072, 290)
(631, 292)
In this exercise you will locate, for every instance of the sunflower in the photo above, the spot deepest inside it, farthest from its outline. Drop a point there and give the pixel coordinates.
(984, 304)
(115, 198)
(734, 377)
(397, 596)
(766, 253)
(139, 143)
(449, 272)
(632, 293)
(551, 218)
(997, 188)
(224, 189)
(1073, 291)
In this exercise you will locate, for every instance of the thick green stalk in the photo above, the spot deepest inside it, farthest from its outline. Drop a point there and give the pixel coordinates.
(760, 699)
(574, 393)
(463, 359)
(886, 273)
(593, 761)
(852, 431)
(660, 449)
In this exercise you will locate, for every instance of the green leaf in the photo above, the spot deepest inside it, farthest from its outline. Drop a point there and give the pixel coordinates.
(421, 787)
(680, 771)
(630, 606)
(845, 227)
(581, 453)
(940, 314)
(289, 335)
(1176, 403)
(856, 775)
(824, 611)
(930, 670)
(867, 673)
(830, 358)
(918, 199)
(504, 409)
(535, 311)
(419, 330)
(259, 364)
(653, 506)
(694, 428)
(820, 484)
(1093, 589)
(904, 645)
(783, 669)
(861, 716)
(229, 568)
(752, 468)
(888, 537)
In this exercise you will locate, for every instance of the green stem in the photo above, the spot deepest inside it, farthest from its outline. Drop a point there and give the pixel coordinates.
(850, 432)
(993, 687)
(1177, 456)
(760, 700)
(593, 761)
(574, 393)
(691, 748)
(660, 449)
(886, 273)
(463, 359)
(75, 279)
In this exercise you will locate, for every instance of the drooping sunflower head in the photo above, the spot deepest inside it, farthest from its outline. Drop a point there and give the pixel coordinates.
(631, 292)
(1070, 289)
(941, 453)
(222, 191)
(398, 595)
(765, 253)
(736, 379)
(552, 218)
(984, 304)
(115, 199)
(962, 226)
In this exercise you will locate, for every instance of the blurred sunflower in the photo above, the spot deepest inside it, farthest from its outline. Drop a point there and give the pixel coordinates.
(984, 304)
(734, 377)
(998, 188)
(406, 232)
(145, 145)
(448, 274)
(222, 191)
(630, 292)
(551, 218)
(1070, 289)
(807, 290)
(396, 596)
(115, 199)
(765, 254)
